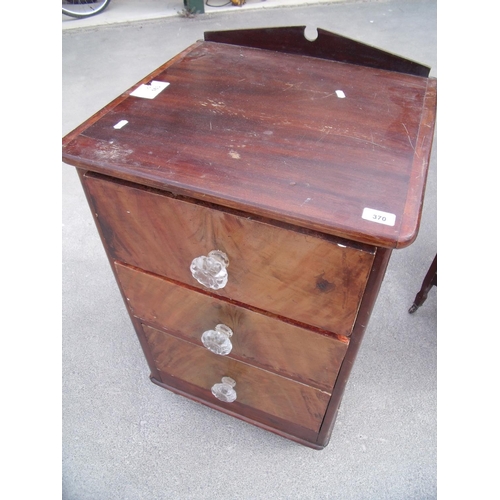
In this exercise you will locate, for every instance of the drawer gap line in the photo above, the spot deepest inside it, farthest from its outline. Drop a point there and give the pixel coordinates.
(340, 338)
(240, 359)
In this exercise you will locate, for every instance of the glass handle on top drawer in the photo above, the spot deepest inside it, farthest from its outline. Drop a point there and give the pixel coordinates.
(211, 270)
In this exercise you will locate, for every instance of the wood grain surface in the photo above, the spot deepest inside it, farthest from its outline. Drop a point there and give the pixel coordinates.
(302, 277)
(266, 132)
(256, 388)
(327, 45)
(306, 163)
(260, 340)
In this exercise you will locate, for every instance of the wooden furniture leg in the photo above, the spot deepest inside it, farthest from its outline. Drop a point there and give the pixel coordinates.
(430, 280)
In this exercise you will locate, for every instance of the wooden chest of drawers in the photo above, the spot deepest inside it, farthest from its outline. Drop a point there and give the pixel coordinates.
(248, 194)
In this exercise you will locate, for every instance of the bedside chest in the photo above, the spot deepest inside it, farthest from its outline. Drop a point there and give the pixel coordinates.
(249, 193)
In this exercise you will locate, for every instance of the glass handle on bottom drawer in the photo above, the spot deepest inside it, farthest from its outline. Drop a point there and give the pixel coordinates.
(224, 391)
(217, 340)
(210, 270)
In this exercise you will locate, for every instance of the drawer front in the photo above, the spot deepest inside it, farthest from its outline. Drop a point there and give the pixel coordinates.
(257, 339)
(288, 273)
(255, 388)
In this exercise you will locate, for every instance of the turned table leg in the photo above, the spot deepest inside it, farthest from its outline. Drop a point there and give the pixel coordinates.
(430, 280)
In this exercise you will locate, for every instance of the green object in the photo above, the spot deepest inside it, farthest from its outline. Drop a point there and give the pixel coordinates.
(195, 6)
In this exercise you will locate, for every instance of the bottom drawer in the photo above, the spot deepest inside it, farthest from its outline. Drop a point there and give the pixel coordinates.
(255, 388)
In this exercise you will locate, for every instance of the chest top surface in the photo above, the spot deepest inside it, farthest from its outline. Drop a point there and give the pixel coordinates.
(322, 144)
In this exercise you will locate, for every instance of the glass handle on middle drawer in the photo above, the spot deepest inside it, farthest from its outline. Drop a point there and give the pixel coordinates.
(217, 340)
(225, 390)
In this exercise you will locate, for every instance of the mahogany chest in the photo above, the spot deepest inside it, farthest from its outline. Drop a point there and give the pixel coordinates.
(249, 193)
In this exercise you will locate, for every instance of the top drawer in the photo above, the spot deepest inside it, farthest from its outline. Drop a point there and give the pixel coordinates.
(308, 278)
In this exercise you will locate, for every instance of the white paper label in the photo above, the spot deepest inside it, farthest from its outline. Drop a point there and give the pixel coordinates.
(120, 124)
(150, 90)
(379, 216)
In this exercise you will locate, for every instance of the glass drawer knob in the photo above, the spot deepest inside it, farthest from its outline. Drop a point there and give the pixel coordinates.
(217, 340)
(210, 270)
(224, 391)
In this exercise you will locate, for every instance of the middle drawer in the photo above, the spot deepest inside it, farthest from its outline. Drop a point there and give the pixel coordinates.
(288, 350)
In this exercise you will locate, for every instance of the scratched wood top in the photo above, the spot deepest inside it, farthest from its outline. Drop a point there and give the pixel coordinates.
(267, 133)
